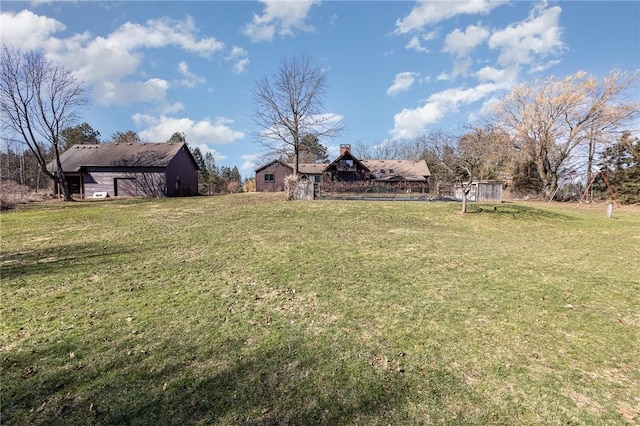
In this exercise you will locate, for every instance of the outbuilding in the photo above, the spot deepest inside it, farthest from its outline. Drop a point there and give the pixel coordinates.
(129, 170)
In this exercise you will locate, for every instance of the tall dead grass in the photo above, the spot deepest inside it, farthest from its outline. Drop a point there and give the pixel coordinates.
(13, 195)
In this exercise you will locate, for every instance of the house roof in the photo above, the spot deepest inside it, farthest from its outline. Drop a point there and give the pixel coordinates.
(304, 168)
(309, 168)
(384, 170)
(279, 162)
(118, 155)
(348, 155)
(410, 170)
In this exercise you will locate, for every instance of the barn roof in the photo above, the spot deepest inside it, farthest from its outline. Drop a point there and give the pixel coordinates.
(408, 169)
(118, 155)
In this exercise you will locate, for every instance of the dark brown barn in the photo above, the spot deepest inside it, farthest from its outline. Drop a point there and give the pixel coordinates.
(130, 170)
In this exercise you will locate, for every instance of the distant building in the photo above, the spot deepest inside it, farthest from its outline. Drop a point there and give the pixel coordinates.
(129, 170)
(346, 168)
(482, 191)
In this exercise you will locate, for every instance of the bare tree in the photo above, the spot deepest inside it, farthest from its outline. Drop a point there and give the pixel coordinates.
(289, 105)
(39, 99)
(478, 154)
(550, 119)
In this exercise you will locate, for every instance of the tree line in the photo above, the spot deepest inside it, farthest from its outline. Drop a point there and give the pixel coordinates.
(534, 138)
(541, 135)
(21, 166)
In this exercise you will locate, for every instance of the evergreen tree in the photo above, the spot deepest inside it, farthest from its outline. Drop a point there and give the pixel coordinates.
(310, 151)
(178, 137)
(620, 163)
(80, 134)
(127, 137)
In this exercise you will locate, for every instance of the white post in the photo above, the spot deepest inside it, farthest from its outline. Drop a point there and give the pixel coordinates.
(609, 210)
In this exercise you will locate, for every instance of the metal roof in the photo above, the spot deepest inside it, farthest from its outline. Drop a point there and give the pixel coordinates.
(117, 155)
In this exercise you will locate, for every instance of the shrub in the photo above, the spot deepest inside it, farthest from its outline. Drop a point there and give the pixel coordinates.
(12, 195)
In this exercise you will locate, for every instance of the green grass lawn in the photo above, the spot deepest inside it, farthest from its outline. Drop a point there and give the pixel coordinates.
(247, 309)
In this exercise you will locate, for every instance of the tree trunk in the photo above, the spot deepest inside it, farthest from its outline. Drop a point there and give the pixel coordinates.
(549, 178)
(61, 180)
(590, 158)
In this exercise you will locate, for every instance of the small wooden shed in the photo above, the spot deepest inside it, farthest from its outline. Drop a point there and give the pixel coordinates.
(487, 191)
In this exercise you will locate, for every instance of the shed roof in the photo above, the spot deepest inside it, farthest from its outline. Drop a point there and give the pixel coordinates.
(118, 155)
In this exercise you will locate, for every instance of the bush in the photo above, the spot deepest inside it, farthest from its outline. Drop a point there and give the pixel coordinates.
(12, 195)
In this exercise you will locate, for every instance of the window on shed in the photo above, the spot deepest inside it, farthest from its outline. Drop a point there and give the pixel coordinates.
(269, 177)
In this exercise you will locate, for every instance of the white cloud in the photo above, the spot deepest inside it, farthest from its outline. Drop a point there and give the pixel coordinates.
(415, 42)
(461, 67)
(543, 66)
(526, 42)
(427, 12)
(131, 92)
(410, 122)
(204, 149)
(205, 131)
(250, 162)
(281, 17)
(461, 43)
(104, 62)
(191, 80)
(240, 59)
(505, 75)
(402, 83)
(163, 32)
(26, 30)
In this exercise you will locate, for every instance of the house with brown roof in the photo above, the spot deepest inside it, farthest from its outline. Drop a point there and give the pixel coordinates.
(270, 177)
(348, 168)
(130, 170)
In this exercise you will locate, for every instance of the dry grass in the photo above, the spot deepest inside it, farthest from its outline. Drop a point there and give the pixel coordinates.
(13, 195)
(251, 309)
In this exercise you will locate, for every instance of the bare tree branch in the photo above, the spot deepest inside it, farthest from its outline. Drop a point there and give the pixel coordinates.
(39, 99)
(288, 106)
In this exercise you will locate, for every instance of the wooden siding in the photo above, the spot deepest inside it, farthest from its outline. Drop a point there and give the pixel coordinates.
(279, 170)
(182, 175)
(483, 191)
(125, 183)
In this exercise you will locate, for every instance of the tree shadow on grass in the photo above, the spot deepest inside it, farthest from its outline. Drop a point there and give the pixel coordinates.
(516, 211)
(296, 381)
(45, 261)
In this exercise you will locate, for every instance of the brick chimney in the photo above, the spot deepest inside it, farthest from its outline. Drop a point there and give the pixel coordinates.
(344, 148)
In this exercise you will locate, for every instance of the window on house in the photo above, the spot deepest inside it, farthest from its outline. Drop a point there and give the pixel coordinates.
(269, 177)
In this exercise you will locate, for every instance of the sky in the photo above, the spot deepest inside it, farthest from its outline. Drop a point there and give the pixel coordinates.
(394, 69)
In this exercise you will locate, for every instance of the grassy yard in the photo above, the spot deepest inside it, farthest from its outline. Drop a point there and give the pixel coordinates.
(248, 309)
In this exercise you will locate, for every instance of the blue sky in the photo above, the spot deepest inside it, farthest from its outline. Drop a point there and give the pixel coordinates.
(395, 69)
